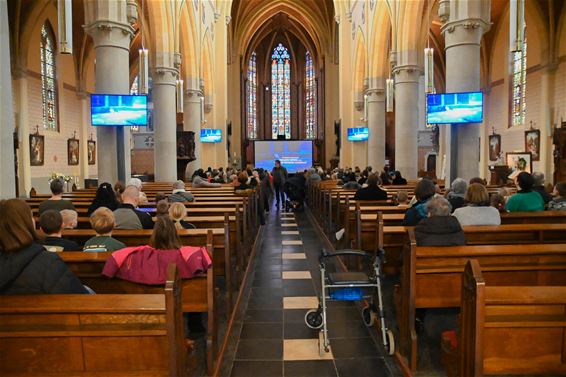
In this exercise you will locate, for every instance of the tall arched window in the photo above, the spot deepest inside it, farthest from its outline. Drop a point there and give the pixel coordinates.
(252, 97)
(48, 78)
(281, 92)
(519, 82)
(310, 89)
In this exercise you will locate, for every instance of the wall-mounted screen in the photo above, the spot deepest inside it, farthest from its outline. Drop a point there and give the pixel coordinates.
(295, 155)
(208, 135)
(358, 134)
(452, 108)
(118, 110)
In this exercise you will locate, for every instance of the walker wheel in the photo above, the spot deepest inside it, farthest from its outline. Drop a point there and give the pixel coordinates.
(369, 316)
(390, 343)
(313, 319)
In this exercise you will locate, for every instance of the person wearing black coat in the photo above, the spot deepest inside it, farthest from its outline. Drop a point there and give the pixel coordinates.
(398, 179)
(105, 197)
(372, 191)
(439, 228)
(424, 190)
(25, 266)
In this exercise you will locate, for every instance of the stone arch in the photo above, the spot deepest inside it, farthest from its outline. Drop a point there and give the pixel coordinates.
(379, 45)
(188, 44)
(360, 65)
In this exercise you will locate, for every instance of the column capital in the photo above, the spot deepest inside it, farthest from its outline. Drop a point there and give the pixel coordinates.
(164, 76)
(195, 93)
(110, 33)
(375, 95)
(467, 24)
(408, 73)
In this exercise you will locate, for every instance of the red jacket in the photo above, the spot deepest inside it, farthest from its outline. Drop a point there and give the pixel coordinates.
(146, 265)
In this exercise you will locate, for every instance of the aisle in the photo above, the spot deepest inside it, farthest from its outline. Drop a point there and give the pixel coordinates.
(274, 339)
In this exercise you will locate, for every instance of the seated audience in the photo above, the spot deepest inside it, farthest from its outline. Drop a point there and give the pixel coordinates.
(25, 266)
(372, 191)
(497, 201)
(477, 210)
(160, 196)
(525, 200)
(384, 176)
(56, 202)
(177, 213)
(180, 194)
(538, 177)
(398, 179)
(559, 201)
(105, 197)
(200, 179)
(243, 188)
(439, 228)
(70, 218)
(119, 189)
(457, 192)
(479, 180)
(312, 176)
(51, 223)
(162, 208)
(102, 221)
(350, 182)
(402, 199)
(127, 216)
(424, 190)
(136, 182)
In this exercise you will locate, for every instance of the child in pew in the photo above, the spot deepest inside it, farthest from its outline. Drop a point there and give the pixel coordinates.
(102, 221)
(559, 201)
(51, 223)
(162, 208)
(178, 212)
(402, 199)
(70, 218)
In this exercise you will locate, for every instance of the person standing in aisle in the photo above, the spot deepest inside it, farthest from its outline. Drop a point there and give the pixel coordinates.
(280, 176)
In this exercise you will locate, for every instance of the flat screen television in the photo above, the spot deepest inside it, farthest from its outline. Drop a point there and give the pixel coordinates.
(358, 133)
(295, 155)
(208, 135)
(454, 108)
(118, 110)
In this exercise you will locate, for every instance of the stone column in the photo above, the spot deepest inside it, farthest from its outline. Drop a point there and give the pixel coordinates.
(84, 135)
(406, 119)
(24, 165)
(165, 123)
(376, 125)
(191, 122)
(7, 163)
(465, 23)
(111, 36)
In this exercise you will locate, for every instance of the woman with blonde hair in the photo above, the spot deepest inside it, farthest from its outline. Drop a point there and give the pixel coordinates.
(177, 213)
(478, 210)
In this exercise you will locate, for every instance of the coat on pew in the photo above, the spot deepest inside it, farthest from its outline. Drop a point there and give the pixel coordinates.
(439, 231)
(147, 265)
(34, 270)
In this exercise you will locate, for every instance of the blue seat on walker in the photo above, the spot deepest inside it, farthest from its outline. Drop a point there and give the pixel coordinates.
(347, 278)
(347, 294)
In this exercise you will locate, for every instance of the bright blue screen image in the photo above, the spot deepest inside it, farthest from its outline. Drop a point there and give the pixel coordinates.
(208, 135)
(118, 110)
(295, 156)
(358, 134)
(450, 108)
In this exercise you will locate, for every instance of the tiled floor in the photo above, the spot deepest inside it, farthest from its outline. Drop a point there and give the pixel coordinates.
(274, 340)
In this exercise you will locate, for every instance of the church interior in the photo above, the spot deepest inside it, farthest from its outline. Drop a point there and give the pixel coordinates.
(437, 105)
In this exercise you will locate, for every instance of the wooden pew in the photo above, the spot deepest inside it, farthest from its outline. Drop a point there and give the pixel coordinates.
(431, 276)
(198, 293)
(510, 329)
(94, 335)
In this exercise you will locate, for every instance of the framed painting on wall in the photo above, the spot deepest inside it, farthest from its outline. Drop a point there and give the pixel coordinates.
(91, 149)
(532, 143)
(73, 151)
(494, 147)
(519, 162)
(37, 149)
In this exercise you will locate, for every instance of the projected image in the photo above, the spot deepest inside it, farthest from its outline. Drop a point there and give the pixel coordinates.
(450, 108)
(208, 135)
(358, 134)
(118, 110)
(295, 156)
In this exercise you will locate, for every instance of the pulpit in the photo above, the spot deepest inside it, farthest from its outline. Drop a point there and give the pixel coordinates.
(499, 174)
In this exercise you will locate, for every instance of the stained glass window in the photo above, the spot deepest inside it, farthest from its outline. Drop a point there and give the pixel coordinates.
(252, 97)
(519, 82)
(310, 88)
(281, 92)
(48, 76)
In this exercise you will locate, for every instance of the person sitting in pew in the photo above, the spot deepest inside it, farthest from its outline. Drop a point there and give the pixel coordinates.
(56, 202)
(127, 216)
(402, 199)
(398, 178)
(200, 179)
(103, 222)
(25, 266)
(538, 177)
(136, 182)
(177, 213)
(525, 200)
(477, 210)
(424, 190)
(119, 189)
(180, 194)
(162, 208)
(559, 201)
(51, 223)
(457, 192)
(439, 228)
(105, 197)
(70, 218)
(372, 191)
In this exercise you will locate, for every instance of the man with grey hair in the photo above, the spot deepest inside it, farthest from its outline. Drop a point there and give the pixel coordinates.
(539, 187)
(127, 216)
(180, 194)
(439, 228)
(456, 194)
(137, 183)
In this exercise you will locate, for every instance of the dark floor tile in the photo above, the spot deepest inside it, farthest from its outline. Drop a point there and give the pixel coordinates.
(374, 367)
(358, 348)
(343, 314)
(294, 315)
(266, 292)
(265, 303)
(349, 329)
(311, 368)
(262, 331)
(298, 287)
(251, 368)
(298, 331)
(267, 274)
(268, 283)
(266, 349)
(294, 265)
(263, 315)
